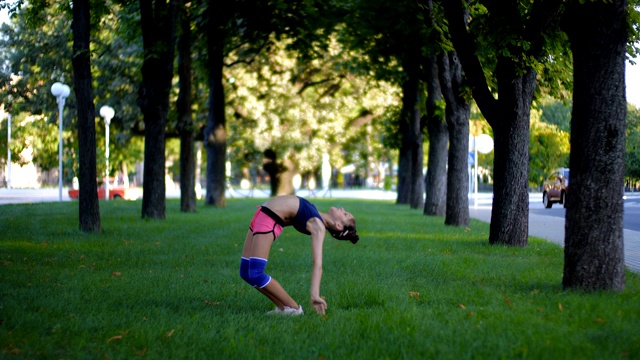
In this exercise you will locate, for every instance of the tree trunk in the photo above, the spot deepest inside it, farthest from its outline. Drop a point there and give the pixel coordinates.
(273, 168)
(436, 182)
(436, 199)
(594, 249)
(285, 178)
(457, 114)
(185, 120)
(404, 171)
(510, 211)
(215, 134)
(509, 114)
(411, 139)
(89, 208)
(417, 175)
(157, 19)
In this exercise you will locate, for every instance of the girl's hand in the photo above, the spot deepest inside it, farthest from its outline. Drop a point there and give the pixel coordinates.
(319, 305)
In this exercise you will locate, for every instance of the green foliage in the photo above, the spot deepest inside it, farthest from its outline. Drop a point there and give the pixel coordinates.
(555, 71)
(33, 138)
(633, 24)
(301, 114)
(386, 33)
(116, 62)
(412, 288)
(501, 31)
(555, 112)
(548, 150)
(303, 109)
(549, 138)
(37, 56)
(632, 153)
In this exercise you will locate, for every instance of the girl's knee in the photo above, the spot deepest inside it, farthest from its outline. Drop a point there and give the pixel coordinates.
(244, 270)
(257, 277)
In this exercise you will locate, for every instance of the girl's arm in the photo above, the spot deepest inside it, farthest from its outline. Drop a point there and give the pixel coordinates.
(317, 230)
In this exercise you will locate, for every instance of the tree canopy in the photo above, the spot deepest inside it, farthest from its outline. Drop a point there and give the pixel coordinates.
(307, 78)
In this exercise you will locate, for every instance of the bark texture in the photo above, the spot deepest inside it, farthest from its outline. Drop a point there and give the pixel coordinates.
(185, 116)
(158, 20)
(510, 211)
(594, 247)
(509, 114)
(215, 133)
(89, 207)
(410, 178)
(436, 179)
(457, 114)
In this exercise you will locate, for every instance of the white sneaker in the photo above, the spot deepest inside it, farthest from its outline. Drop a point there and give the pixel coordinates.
(276, 311)
(287, 311)
(291, 311)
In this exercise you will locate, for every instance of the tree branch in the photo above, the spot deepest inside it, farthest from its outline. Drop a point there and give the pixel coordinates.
(466, 49)
(543, 14)
(308, 84)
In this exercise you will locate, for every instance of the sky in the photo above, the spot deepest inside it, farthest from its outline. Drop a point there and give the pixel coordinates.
(632, 73)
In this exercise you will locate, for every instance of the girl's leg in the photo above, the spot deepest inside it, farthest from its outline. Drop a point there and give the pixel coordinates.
(259, 246)
(278, 295)
(248, 243)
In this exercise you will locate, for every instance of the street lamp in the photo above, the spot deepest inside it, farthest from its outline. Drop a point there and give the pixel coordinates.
(61, 92)
(9, 144)
(107, 113)
(484, 144)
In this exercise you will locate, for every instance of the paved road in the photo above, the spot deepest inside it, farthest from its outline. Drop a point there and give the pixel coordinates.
(549, 223)
(631, 211)
(23, 196)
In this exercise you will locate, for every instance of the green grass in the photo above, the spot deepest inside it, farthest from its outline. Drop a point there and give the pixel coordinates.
(412, 288)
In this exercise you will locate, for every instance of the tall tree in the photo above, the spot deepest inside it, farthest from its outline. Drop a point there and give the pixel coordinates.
(157, 19)
(374, 28)
(215, 134)
(516, 34)
(594, 250)
(436, 178)
(410, 178)
(89, 209)
(185, 116)
(244, 26)
(37, 50)
(457, 114)
(449, 71)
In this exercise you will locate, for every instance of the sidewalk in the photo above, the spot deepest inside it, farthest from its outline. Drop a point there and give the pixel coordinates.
(552, 229)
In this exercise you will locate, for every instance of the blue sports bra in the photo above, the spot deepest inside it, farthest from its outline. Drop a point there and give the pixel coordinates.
(306, 211)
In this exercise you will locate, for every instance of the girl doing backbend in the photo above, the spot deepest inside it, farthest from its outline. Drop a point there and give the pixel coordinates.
(265, 228)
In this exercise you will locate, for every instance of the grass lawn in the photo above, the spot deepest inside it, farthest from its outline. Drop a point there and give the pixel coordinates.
(412, 288)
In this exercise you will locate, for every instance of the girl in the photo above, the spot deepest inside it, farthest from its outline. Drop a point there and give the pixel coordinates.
(265, 228)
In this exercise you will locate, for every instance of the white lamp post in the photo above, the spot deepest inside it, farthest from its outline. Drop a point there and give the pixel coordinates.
(107, 113)
(326, 171)
(9, 149)
(61, 92)
(482, 143)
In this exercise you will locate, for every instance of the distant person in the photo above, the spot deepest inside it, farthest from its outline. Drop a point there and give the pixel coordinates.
(265, 228)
